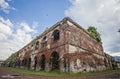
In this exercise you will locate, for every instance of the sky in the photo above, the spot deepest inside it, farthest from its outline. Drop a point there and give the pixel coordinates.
(23, 20)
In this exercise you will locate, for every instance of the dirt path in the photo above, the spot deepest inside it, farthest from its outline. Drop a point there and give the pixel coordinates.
(6, 74)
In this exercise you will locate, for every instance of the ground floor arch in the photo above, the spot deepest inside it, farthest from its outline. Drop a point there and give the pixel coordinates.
(42, 62)
(54, 60)
(29, 63)
(35, 63)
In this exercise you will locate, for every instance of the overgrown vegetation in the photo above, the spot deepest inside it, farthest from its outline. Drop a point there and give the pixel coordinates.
(11, 59)
(93, 31)
(58, 74)
(119, 30)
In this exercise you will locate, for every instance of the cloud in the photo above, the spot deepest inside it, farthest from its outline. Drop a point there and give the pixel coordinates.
(12, 40)
(115, 54)
(5, 7)
(5, 30)
(26, 27)
(6, 22)
(103, 14)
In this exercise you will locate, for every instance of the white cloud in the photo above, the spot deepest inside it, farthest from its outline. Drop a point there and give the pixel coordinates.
(19, 39)
(5, 7)
(26, 27)
(3, 36)
(5, 30)
(103, 14)
(115, 54)
(12, 40)
(6, 22)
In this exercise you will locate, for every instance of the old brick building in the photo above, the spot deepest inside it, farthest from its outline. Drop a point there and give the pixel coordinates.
(65, 46)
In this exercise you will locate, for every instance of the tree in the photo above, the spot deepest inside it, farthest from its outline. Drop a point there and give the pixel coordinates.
(119, 30)
(93, 31)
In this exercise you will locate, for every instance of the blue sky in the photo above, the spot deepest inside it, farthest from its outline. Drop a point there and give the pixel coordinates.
(45, 12)
(23, 20)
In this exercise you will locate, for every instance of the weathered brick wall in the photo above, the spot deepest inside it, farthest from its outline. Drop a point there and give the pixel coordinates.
(80, 38)
(52, 46)
(110, 62)
(85, 53)
(77, 50)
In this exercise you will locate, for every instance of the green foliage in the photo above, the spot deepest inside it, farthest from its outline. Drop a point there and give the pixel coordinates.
(119, 30)
(12, 58)
(93, 31)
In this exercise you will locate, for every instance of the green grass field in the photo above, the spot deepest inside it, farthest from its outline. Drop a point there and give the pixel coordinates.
(58, 74)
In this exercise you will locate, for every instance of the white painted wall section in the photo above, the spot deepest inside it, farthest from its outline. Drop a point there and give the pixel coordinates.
(72, 49)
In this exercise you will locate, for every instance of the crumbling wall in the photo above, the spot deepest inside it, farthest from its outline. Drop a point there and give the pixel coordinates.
(80, 41)
(80, 38)
(110, 62)
(77, 51)
(83, 62)
(30, 56)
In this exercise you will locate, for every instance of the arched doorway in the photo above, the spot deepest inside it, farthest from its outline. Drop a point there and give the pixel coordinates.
(35, 64)
(29, 63)
(23, 62)
(42, 63)
(55, 60)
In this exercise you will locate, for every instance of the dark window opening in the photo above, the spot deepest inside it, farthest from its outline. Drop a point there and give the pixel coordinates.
(37, 45)
(56, 35)
(42, 63)
(32, 45)
(44, 42)
(55, 60)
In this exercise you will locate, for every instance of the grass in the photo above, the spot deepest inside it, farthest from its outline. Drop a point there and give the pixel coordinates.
(58, 74)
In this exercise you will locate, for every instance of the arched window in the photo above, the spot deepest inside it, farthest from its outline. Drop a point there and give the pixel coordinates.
(44, 42)
(56, 35)
(37, 45)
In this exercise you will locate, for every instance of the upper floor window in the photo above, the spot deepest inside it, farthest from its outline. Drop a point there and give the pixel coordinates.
(25, 49)
(32, 45)
(44, 41)
(56, 35)
(37, 45)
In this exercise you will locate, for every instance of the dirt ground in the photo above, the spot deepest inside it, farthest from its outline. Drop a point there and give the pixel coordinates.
(6, 74)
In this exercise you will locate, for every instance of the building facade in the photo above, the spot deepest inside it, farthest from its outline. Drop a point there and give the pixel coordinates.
(65, 46)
